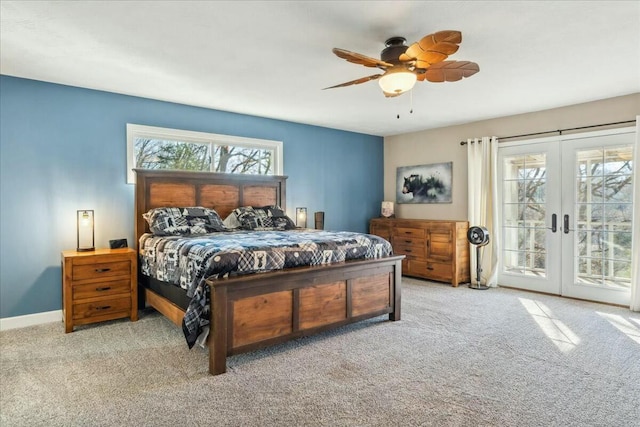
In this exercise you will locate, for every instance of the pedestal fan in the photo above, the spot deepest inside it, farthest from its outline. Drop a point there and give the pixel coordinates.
(478, 236)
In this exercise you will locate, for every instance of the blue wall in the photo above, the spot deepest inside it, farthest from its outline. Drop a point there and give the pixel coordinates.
(64, 148)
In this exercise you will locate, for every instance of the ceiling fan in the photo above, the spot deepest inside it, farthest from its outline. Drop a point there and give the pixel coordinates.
(404, 65)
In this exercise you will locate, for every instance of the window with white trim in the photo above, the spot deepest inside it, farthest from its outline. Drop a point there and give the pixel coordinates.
(151, 147)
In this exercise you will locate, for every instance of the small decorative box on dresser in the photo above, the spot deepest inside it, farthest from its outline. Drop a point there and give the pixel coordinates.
(99, 285)
(434, 249)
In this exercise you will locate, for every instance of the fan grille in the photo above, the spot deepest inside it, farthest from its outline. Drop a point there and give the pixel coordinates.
(478, 236)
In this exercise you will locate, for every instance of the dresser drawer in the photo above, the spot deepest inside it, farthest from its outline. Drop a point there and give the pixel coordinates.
(101, 270)
(409, 232)
(438, 271)
(413, 251)
(100, 289)
(408, 241)
(103, 308)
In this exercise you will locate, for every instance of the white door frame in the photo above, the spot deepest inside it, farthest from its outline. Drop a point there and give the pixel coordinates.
(534, 283)
(550, 282)
(570, 288)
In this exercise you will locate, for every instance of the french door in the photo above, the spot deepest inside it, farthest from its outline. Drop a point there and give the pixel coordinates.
(566, 213)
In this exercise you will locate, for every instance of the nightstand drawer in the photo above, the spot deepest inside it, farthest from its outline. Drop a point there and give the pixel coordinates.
(101, 270)
(99, 289)
(102, 308)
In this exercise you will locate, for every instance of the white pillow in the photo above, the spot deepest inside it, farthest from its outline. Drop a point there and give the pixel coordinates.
(231, 221)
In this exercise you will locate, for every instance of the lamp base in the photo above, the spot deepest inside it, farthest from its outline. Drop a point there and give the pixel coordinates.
(478, 286)
(85, 249)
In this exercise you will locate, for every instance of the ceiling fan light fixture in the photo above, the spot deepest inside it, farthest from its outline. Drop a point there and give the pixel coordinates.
(397, 81)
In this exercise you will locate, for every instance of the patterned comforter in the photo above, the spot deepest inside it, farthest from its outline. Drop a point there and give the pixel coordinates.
(187, 261)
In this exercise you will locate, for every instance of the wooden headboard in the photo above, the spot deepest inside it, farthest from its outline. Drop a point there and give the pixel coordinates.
(220, 191)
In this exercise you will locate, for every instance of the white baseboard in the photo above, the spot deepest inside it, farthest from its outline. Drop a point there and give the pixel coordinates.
(30, 320)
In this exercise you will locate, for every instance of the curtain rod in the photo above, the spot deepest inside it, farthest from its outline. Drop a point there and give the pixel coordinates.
(558, 130)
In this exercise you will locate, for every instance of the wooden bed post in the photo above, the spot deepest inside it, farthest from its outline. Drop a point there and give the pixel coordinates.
(397, 291)
(218, 330)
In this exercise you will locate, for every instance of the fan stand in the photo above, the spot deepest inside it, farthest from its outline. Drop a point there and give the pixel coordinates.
(478, 285)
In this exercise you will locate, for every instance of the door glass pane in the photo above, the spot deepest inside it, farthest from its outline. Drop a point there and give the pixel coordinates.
(615, 213)
(590, 189)
(589, 163)
(603, 210)
(617, 161)
(618, 188)
(534, 213)
(512, 239)
(524, 214)
(513, 214)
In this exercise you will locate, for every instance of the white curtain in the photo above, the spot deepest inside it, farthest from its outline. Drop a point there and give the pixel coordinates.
(482, 158)
(635, 255)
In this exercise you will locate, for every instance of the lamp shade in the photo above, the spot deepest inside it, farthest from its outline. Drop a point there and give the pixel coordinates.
(397, 81)
(85, 229)
(301, 217)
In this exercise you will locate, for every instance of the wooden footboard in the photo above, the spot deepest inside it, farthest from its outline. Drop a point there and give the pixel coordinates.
(256, 311)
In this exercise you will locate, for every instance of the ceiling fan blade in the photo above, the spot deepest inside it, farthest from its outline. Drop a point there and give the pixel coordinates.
(427, 59)
(433, 48)
(357, 81)
(449, 71)
(358, 58)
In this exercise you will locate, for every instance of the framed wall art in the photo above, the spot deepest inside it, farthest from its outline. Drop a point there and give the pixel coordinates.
(424, 183)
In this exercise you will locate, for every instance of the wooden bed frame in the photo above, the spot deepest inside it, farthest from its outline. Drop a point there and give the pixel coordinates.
(256, 311)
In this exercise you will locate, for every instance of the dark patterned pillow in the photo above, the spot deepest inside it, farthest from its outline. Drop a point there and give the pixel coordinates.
(263, 218)
(279, 217)
(183, 221)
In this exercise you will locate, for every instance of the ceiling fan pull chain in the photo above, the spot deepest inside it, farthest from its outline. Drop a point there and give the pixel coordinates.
(411, 98)
(410, 104)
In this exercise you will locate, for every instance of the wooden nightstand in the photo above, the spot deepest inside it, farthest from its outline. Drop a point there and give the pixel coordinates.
(99, 285)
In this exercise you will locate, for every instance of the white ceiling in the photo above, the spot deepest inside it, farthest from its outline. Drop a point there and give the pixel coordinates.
(272, 59)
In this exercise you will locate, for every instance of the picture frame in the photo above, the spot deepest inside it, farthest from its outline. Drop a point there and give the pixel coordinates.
(430, 183)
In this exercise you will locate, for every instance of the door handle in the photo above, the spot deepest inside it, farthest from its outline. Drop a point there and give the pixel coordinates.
(566, 224)
(554, 223)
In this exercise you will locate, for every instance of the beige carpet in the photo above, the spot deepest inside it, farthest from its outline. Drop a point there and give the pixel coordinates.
(459, 357)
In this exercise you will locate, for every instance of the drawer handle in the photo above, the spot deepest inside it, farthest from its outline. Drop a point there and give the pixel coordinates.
(104, 307)
(104, 288)
(407, 232)
(429, 268)
(102, 270)
(407, 241)
(408, 250)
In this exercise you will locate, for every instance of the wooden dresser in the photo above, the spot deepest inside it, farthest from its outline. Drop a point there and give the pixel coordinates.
(99, 285)
(434, 249)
